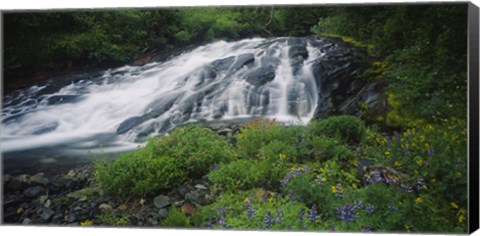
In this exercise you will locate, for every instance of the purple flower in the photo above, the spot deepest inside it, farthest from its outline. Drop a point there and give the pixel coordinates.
(312, 215)
(223, 211)
(250, 212)
(332, 228)
(389, 143)
(369, 209)
(246, 203)
(375, 177)
(221, 222)
(291, 174)
(265, 197)
(431, 151)
(392, 208)
(348, 212)
(268, 220)
(319, 180)
(278, 216)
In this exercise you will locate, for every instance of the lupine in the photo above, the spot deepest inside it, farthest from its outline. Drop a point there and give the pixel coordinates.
(312, 215)
(278, 216)
(376, 177)
(293, 173)
(250, 212)
(348, 212)
(268, 221)
(221, 222)
(300, 215)
(265, 197)
(223, 211)
(369, 209)
(431, 152)
(319, 180)
(392, 208)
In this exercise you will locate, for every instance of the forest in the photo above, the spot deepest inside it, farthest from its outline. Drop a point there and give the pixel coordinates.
(404, 171)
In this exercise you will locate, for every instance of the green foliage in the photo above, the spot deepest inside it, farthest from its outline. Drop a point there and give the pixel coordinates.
(349, 129)
(264, 139)
(112, 219)
(237, 175)
(195, 149)
(139, 173)
(175, 219)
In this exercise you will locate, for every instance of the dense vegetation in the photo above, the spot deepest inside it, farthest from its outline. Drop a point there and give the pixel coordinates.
(333, 174)
(297, 177)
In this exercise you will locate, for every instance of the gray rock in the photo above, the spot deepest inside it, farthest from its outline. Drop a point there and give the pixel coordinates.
(161, 201)
(182, 190)
(71, 217)
(48, 203)
(47, 215)
(7, 178)
(33, 191)
(197, 197)
(26, 221)
(39, 179)
(42, 199)
(201, 187)
(105, 207)
(163, 213)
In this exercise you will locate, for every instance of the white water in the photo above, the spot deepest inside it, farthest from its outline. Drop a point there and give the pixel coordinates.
(102, 104)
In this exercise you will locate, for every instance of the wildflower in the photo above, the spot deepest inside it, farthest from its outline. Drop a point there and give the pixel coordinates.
(281, 156)
(375, 177)
(265, 197)
(454, 205)
(392, 208)
(419, 200)
(222, 222)
(461, 215)
(312, 215)
(86, 223)
(246, 203)
(396, 164)
(320, 180)
(389, 143)
(419, 161)
(369, 209)
(278, 216)
(347, 212)
(250, 212)
(295, 172)
(223, 211)
(332, 228)
(267, 220)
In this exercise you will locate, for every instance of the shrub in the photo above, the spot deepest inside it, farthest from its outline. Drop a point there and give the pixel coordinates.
(139, 173)
(112, 219)
(241, 174)
(348, 129)
(326, 148)
(196, 149)
(291, 140)
(175, 219)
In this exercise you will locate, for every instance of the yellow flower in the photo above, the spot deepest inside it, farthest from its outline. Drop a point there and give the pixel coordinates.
(86, 223)
(454, 205)
(396, 164)
(246, 199)
(419, 200)
(461, 215)
(407, 228)
(419, 161)
(324, 180)
(281, 156)
(322, 170)
(333, 189)
(387, 153)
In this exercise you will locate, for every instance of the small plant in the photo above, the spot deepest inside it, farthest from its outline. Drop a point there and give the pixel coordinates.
(241, 175)
(349, 129)
(112, 219)
(175, 219)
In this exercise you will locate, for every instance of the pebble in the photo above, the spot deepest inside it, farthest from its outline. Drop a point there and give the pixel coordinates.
(33, 191)
(105, 207)
(201, 187)
(42, 199)
(47, 215)
(71, 218)
(163, 213)
(48, 203)
(26, 221)
(161, 201)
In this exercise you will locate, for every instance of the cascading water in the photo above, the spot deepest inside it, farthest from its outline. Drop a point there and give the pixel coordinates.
(117, 110)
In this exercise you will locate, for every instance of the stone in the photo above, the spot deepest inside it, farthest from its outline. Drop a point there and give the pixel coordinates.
(39, 179)
(26, 221)
(33, 191)
(197, 197)
(48, 203)
(42, 199)
(53, 187)
(71, 217)
(105, 208)
(17, 184)
(163, 213)
(182, 190)
(201, 187)
(47, 215)
(19, 211)
(161, 201)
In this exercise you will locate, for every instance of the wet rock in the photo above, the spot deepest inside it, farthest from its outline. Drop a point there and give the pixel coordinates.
(163, 213)
(105, 208)
(38, 180)
(45, 129)
(18, 183)
(161, 201)
(71, 217)
(261, 75)
(26, 221)
(33, 191)
(197, 197)
(47, 215)
(53, 187)
(201, 187)
(42, 199)
(182, 190)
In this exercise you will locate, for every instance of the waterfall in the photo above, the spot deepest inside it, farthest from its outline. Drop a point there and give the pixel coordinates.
(118, 108)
